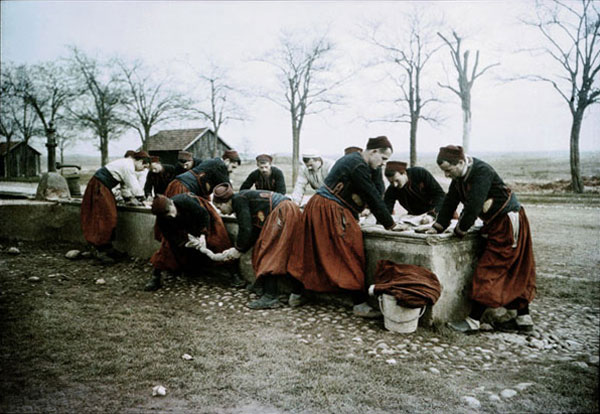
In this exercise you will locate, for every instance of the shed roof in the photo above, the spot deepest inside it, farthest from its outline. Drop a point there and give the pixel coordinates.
(174, 139)
(13, 144)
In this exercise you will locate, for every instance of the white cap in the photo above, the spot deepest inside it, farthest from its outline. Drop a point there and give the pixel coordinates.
(310, 153)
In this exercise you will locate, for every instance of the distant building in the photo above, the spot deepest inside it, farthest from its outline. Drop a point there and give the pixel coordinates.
(20, 160)
(198, 141)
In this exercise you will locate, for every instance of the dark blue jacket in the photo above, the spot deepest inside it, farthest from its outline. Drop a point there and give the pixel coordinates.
(275, 182)
(421, 194)
(202, 179)
(350, 183)
(481, 183)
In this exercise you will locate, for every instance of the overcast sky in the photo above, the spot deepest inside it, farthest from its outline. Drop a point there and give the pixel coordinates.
(517, 116)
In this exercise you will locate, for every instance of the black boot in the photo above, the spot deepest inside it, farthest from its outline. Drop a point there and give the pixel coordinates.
(100, 254)
(270, 298)
(154, 283)
(237, 280)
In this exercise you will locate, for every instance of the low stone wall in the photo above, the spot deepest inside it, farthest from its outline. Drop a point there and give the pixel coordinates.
(450, 258)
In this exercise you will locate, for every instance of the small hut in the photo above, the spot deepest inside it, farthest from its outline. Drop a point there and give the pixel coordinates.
(20, 160)
(199, 141)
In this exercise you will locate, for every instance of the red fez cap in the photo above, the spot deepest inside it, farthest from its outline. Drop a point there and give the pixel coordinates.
(129, 153)
(379, 142)
(184, 155)
(140, 155)
(232, 155)
(222, 193)
(392, 167)
(350, 150)
(155, 158)
(160, 205)
(451, 153)
(264, 158)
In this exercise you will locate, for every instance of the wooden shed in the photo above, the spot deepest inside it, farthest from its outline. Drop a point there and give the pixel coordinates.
(167, 143)
(20, 160)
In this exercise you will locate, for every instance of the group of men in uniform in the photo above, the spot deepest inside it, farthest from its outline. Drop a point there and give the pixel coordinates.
(320, 248)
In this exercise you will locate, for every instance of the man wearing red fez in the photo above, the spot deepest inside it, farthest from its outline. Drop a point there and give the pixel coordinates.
(185, 162)
(267, 221)
(158, 178)
(99, 207)
(414, 188)
(350, 150)
(505, 272)
(265, 177)
(177, 217)
(329, 253)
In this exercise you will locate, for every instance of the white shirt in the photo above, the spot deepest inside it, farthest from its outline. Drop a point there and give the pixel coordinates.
(123, 170)
(313, 178)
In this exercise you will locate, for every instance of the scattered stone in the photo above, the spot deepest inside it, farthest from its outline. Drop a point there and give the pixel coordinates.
(86, 255)
(486, 327)
(508, 393)
(187, 357)
(357, 339)
(13, 250)
(434, 370)
(159, 391)
(536, 343)
(495, 398)
(472, 402)
(438, 349)
(523, 386)
(580, 364)
(100, 281)
(72, 254)
(594, 359)
(391, 361)
(34, 279)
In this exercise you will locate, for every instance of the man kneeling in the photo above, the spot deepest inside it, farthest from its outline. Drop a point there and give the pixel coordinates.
(268, 221)
(177, 217)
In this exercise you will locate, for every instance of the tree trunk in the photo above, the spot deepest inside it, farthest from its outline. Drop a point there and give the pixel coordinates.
(7, 170)
(466, 139)
(103, 151)
(576, 181)
(295, 153)
(215, 144)
(413, 141)
(145, 140)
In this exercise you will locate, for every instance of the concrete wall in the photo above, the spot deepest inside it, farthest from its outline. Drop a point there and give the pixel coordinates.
(451, 259)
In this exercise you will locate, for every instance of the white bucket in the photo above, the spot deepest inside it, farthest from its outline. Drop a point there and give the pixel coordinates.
(397, 318)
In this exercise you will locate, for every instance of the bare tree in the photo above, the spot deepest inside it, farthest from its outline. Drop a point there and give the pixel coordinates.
(305, 72)
(148, 102)
(22, 88)
(465, 80)
(409, 58)
(99, 107)
(48, 89)
(9, 104)
(216, 103)
(571, 32)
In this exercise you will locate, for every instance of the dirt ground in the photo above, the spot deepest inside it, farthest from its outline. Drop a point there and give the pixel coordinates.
(78, 337)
